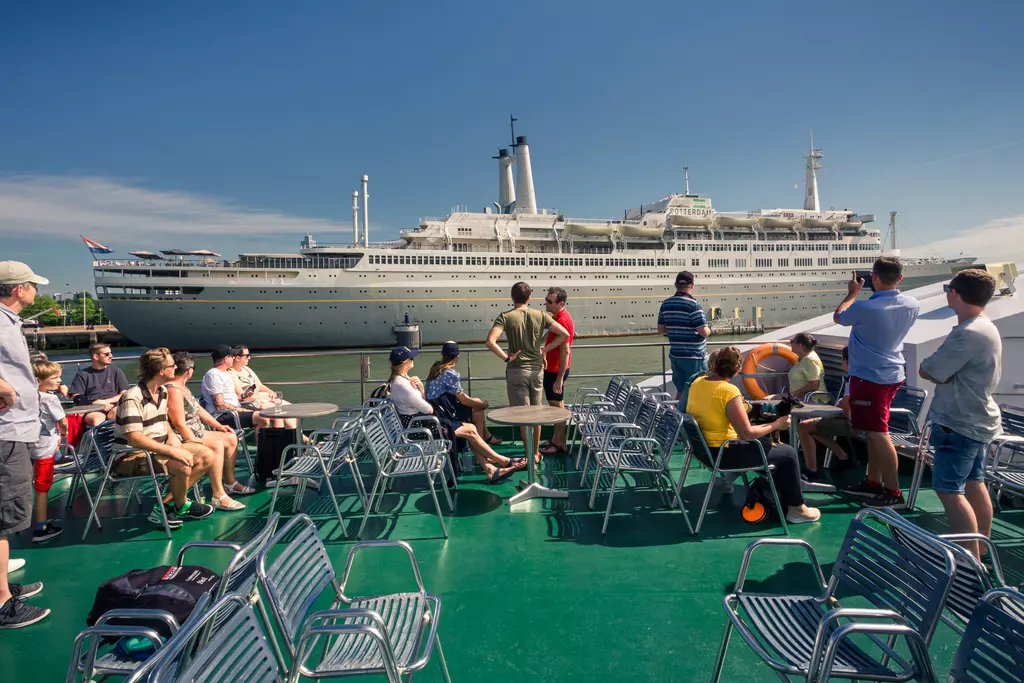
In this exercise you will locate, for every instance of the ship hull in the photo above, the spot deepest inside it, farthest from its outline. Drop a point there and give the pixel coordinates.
(460, 307)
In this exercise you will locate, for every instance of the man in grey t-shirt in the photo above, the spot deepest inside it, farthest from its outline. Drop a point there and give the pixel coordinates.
(964, 416)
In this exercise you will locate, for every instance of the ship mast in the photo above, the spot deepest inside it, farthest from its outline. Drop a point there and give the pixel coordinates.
(811, 191)
(892, 229)
(686, 177)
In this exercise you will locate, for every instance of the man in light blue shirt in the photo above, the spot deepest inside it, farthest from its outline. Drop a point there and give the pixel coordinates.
(19, 429)
(876, 371)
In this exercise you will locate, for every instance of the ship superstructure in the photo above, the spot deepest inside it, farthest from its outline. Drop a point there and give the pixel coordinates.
(453, 274)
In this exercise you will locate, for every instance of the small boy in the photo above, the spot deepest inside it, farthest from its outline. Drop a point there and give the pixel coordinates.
(54, 427)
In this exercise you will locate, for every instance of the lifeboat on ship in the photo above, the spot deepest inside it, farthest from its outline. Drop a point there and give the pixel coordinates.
(736, 221)
(689, 221)
(852, 225)
(815, 223)
(637, 230)
(778, 222)
(590, 229)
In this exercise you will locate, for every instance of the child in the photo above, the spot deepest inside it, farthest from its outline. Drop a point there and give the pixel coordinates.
(825, 431)
(54, 427)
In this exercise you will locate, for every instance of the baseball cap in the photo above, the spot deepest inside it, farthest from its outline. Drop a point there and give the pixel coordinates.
(220, 352)
(400, 354)
(685, 277)
(450, 349)
(16, 273)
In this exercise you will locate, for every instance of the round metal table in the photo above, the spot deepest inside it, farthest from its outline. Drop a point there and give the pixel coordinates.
(531, 416)
(806, 412)
(298, 411)
(82, 410)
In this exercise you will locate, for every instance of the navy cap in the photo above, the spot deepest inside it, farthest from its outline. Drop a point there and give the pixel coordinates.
(400, 354)
(685, 277)
(450, 349)
(220, 352)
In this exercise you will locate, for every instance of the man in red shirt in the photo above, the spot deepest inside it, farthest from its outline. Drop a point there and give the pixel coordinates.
(556, 366)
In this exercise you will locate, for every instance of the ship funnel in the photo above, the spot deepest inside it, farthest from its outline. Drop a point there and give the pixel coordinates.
(527, 202)
(506, 187)
(355, 219)
(811, 181)
(366, 212)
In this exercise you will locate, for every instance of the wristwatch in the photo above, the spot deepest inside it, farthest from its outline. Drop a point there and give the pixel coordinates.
(507, 358)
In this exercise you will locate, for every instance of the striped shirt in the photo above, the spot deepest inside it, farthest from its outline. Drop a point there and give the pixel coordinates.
(141, 411)
(682, 315)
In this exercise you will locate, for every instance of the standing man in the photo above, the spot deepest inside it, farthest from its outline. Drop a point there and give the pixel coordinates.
(19, 430)
(102, 383)
(964, 416)
(876, 372)
(524, 328)
(556, 366)
(681, 319)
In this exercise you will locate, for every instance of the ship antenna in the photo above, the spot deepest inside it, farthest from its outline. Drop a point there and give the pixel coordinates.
(512, 124)
(892, 229)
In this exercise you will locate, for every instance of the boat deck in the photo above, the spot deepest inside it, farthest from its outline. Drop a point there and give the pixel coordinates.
(530, 594)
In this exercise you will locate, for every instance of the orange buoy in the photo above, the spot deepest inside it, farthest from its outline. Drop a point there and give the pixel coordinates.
(753, 360)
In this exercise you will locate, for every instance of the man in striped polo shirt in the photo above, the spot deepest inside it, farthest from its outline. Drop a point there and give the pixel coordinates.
(142, 423)
(681, 319)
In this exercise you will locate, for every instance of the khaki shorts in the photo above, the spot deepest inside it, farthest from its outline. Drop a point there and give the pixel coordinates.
(833, 427)
(524, 384)
(15, 487)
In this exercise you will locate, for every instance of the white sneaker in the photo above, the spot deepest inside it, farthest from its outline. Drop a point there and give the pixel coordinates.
(812, 515)
(14, 564)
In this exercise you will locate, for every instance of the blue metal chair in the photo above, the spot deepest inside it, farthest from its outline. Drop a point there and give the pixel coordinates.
(1005, 468)
(992, 649)
(803, 635)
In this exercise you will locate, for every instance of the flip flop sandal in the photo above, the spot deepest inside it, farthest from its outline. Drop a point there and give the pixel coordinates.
(496, 478)
(493, 441)
(240, 489)
(546, 444)
(553, 449)
(233, 506)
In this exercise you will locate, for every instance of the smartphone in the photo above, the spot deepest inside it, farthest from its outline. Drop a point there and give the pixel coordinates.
(866, 276)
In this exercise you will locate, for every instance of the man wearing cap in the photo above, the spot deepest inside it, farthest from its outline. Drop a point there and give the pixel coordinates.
(19, 429)
(682, 320)
(218, 388)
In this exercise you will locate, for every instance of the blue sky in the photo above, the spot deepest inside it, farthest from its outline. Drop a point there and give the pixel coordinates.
(237, 126)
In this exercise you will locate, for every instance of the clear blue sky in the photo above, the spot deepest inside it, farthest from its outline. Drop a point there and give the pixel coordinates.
(133, 121)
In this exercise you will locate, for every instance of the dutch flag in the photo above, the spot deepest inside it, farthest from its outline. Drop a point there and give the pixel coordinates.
(95, 247)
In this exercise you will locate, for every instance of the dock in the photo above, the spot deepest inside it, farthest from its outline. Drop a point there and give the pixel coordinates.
(71, 336)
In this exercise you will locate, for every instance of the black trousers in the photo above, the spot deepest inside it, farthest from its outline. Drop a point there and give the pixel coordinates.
(786, 474)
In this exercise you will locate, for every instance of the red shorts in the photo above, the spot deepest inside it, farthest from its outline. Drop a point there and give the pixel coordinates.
(42, 474)
(869, 404)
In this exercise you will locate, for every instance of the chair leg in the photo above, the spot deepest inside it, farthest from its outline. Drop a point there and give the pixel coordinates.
(593, 490)
(358, 481)
(451, 471)
(437, 506)
(707, 500)
(447, 493)
(369, 506)
(93, 505)
(300, 493)
(716, 675)
(682, 476)
(160, 503)
(273, 498)
(72, 489)
(775, 495)
(611, 496)
(334, 501)
(441, 660)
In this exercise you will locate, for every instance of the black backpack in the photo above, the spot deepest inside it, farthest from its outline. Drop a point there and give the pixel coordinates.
(269, 445)
(382, 391)
(172, 589)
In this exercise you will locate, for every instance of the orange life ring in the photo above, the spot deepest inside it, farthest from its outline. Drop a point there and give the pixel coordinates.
(753, 360)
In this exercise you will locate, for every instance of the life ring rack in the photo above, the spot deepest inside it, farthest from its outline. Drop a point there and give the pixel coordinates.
(753, 360)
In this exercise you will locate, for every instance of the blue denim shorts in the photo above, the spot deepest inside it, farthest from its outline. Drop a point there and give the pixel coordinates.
(957, 459)
(682, 370)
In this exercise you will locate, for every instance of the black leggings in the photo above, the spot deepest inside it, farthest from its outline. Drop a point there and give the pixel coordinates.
(786, 474)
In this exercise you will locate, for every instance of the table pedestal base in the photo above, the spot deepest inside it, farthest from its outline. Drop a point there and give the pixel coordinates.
(535, 490)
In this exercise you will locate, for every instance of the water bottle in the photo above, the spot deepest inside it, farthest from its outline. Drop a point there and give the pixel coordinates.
(466, 461)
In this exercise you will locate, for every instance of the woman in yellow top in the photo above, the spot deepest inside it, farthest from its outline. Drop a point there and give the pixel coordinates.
(805, 376)
(721, 413)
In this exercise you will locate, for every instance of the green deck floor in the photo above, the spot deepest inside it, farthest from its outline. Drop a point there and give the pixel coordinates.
(532, 594)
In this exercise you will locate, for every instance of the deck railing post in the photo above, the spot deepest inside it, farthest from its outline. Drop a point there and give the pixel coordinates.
(663, 369)
(469, 372)
(364, 374)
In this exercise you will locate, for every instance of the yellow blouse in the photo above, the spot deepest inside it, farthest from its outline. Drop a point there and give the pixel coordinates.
(706, 403)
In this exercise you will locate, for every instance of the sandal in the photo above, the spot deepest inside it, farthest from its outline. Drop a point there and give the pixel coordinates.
(239, 489)
(233, 506)
(496, 477)
(492, 440)
(553, 449)
(517, 464)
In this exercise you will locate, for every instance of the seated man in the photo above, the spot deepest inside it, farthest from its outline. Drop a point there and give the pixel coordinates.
(825, 430)
(141, 422)
(218, 389)
(250, 390)
(102, 383)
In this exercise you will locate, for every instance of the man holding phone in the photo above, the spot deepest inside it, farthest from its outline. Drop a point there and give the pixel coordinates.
(876, 371)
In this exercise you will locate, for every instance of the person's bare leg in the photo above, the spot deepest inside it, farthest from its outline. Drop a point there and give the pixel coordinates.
(480, 422)
(536, 442)
(981, 503)
(39, 508)
(558, 435)
(5, 559)
(832, 445)
(179, 476)
(882, 458)
(808, 445)
(961, 518)
(480, 447)
(93, 419)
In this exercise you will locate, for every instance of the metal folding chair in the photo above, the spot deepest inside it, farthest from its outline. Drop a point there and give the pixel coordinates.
(646, 451)
(803, 636)
(588, 402)
(390, 634)
(405, 459)
(992, 649)
(1004, 470)
(240, 433)
(417, 432)
(594, 432)
(697, 449)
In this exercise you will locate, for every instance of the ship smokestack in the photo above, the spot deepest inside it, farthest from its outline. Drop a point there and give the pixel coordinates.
(355, 219)
(506, 187)
(811, 202)
(366, 212)
(527, 202)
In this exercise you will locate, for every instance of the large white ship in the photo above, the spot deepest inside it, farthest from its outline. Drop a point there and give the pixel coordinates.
(452, 275)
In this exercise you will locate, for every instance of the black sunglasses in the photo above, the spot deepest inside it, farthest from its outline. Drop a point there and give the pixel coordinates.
(549, 301)
(948, 288)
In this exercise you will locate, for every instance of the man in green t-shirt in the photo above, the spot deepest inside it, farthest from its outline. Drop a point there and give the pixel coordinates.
(524, 329)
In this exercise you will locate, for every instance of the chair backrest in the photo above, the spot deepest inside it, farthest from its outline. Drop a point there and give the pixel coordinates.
(375, 436)
(892, 576)
(992, 649)
(620, 391)
(97, 444)
(696, 443)
(971, 580)
(634, 400)
(388, 415)
(909, 398)
(834, 385)
(240, 574)
(648, 413)
(667, 425)
(1013, 419)
(296, 576)
(238, 649)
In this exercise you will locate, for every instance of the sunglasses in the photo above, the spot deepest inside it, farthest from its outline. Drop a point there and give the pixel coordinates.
(549, 301)
(948, 288)
(243, 355)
